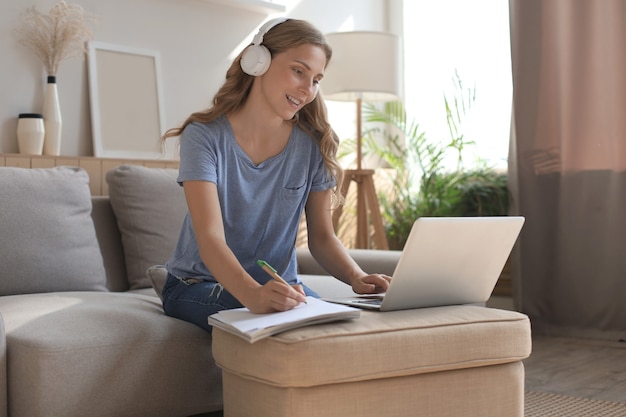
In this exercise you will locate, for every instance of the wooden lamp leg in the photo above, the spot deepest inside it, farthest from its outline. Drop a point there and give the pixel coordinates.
(367, 209)
(366, 199)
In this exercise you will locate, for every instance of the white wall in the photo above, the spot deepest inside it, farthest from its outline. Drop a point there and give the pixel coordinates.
(195, 38)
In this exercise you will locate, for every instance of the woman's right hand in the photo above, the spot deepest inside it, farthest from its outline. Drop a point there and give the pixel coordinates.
(275, 296)
(208, 225)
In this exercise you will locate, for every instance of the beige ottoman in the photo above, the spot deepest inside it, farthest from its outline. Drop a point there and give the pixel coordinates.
(445, 361)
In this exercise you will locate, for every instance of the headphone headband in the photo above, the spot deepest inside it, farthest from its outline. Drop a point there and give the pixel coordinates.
(258, 38)
(256, 59)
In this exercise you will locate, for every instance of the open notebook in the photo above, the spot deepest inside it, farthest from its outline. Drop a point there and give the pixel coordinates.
(253, 327)
(445, 261)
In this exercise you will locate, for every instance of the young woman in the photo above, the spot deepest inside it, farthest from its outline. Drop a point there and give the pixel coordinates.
(249, 166)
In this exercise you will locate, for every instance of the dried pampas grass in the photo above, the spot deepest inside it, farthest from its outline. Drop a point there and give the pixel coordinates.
(54, 37)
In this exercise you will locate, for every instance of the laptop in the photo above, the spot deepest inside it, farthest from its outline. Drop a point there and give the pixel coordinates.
(446, 261)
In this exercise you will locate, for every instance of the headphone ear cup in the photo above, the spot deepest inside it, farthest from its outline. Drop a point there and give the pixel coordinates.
(255, 60)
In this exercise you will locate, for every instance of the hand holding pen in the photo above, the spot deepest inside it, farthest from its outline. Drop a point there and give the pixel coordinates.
(274, 274)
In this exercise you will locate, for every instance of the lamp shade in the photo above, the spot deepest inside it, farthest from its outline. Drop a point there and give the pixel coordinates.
(364, 65)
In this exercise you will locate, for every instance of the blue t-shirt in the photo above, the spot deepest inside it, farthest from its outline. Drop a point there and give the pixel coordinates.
(261, 204)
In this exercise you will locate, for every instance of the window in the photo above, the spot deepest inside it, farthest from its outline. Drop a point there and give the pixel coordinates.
(471, 38)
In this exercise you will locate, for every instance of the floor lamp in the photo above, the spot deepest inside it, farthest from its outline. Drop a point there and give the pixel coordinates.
(364, 67)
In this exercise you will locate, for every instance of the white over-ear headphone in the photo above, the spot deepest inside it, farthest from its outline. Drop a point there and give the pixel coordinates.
(256, 59)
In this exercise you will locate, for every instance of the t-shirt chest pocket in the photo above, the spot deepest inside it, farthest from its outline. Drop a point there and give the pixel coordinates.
(293, 192)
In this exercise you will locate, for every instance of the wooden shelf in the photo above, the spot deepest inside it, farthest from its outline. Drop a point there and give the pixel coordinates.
(260, 6)
(96, 167)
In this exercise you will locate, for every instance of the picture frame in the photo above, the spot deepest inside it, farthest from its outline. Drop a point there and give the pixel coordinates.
(125, 94)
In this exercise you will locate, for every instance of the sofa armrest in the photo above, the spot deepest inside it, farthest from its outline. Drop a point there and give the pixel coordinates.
(371, 260)
(326, 286)
(4, 412)
(317, 279)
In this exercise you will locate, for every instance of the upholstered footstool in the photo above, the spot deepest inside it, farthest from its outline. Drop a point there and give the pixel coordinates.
(445, 361)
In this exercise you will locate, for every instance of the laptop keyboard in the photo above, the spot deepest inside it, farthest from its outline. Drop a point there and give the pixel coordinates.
(370, 301)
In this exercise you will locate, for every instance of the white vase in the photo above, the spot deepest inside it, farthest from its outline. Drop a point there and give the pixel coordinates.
(30, 133)
(52, 118)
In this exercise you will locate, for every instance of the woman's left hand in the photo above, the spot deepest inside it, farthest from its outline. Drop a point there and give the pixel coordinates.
(371, 284)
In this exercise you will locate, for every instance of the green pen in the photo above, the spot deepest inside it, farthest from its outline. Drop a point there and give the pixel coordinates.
(272, 272)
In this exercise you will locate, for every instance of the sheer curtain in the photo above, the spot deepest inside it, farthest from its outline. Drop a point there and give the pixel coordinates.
(567, 164)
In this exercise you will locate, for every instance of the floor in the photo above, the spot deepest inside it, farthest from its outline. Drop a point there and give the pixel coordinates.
(576, 367)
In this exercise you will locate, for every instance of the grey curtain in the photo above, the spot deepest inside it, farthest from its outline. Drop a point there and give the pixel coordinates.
(567, 165)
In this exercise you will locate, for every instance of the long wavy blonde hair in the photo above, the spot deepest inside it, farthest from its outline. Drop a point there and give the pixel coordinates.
(312, 118)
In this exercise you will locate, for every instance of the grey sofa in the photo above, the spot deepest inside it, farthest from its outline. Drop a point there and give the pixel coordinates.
(82, 331)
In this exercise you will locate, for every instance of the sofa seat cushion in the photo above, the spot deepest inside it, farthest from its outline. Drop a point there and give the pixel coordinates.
(70, 353)
(379, 345)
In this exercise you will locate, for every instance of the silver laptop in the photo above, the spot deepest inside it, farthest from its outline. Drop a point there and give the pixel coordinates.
(446, 261)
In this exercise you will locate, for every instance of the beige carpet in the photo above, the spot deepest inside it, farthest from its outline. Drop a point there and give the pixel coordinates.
(546, 404)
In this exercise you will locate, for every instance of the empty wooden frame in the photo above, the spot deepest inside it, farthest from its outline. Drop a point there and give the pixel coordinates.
(127, 114)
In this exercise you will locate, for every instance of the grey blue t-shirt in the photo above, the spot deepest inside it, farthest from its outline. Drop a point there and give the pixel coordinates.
(261, 204)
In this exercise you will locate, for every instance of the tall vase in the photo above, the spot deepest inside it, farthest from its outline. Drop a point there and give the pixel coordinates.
(52, 118)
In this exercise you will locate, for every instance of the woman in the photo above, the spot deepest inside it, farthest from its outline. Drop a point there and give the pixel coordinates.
(249, 166)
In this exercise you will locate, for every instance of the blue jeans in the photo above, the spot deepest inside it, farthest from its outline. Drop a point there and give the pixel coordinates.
(194, 300)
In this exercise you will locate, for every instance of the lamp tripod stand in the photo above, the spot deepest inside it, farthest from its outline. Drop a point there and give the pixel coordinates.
(367, 205)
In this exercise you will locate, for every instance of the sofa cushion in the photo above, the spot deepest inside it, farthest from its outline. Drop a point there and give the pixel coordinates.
(150, 207)
(157, 275)
(103, 354)
(49, 235)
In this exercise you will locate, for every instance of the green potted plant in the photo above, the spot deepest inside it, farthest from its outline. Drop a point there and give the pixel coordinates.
(419, 180)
